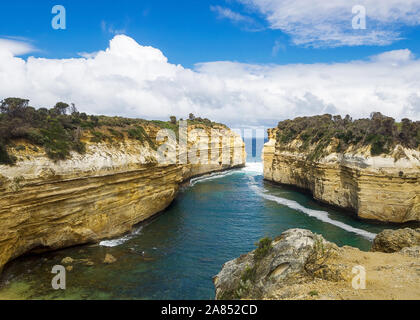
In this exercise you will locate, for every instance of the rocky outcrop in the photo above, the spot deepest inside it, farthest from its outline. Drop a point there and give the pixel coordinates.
(286, 259)
(47, 205)
(109, 259)
(396, 240)
(303, 265)
(384, 188)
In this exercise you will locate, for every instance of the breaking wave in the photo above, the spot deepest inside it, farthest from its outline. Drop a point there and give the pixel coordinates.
(120, 241)
(212, 176)
(254, 168)
(318, 214)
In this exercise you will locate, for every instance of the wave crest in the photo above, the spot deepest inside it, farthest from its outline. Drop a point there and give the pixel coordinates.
(318, 214)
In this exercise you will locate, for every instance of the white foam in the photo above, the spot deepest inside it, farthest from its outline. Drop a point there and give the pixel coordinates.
(120, 241)
(212, 176)
(254, 168)
(320, 215)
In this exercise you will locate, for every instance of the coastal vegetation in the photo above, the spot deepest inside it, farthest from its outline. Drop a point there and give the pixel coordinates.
(318, 258)
(60, 129)
(380, 132)
(264, 247)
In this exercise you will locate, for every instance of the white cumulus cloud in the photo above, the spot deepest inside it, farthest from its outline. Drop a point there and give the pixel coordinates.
(329, 23)
(128, 79)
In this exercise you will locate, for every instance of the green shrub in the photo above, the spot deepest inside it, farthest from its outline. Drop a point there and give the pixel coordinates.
(56, 142)
(249, 274)
(418, 137)
(79, 147)
(313, 293)
(378, 144)
(318, 258)
(116, 133)
(5, 158)
(141, 135)
(97, 136)
(264, 247)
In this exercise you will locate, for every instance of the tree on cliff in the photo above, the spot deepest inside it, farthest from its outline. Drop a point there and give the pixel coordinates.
(60, 108)
(51, 129)
(15, 107)
(380, 132)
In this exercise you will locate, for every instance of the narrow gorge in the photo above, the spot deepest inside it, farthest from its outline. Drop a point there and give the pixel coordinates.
(93, 187)
(114, 185)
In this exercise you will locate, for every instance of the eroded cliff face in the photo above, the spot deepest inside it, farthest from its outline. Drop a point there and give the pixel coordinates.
(101, 194)
(384, 188)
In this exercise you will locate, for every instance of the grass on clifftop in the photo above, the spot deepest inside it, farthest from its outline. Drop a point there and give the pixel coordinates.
(380, 132)
(59, 130)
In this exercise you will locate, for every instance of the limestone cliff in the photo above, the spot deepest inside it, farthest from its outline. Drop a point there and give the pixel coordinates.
(102, 193)
(384, 187)
(300, 265)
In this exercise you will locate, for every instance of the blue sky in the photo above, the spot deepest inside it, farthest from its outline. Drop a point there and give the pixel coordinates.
(244, 62)
(187, 31)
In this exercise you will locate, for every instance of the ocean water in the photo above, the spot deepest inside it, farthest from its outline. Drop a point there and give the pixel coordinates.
(174, 256)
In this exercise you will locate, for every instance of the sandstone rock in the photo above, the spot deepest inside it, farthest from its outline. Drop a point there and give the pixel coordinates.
(296, 268)
(109, 258)
(375, 188)
(67, 260)
(411, 251)
(86, 262)
(294, 254)
(396, 240)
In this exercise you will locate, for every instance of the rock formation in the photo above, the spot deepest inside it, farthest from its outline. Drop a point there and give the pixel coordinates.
(102, 193)
(303, 265)
(384, 188)
(396, 240)
(109, 259)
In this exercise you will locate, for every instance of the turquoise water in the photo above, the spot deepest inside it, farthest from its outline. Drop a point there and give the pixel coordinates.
(175, 255)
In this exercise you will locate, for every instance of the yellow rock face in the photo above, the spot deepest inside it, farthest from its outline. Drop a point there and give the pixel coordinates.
(46, 205)
(378, 188)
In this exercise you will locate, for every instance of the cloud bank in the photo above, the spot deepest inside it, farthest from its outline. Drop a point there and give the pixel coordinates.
(329, 23)
(128, 79)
